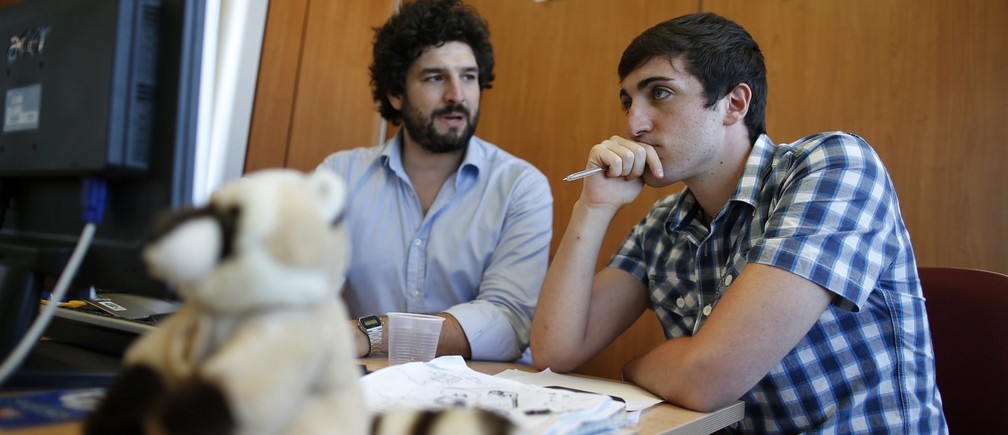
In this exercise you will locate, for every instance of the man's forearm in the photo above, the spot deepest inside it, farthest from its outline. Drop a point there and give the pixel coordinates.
(560, 325)
(453, 340)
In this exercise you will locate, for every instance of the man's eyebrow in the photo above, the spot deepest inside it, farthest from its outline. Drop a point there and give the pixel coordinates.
(442, 70)
(644, 83)
(432, 70)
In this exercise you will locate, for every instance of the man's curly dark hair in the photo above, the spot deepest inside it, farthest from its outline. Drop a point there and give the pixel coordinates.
(420, 24)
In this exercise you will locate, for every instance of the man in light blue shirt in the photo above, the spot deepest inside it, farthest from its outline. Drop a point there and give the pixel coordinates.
(441, 221)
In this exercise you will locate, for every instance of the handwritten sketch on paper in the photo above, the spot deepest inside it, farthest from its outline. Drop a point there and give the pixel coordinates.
(447, 382)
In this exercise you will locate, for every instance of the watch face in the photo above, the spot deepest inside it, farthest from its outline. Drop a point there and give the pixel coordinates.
(370, 322)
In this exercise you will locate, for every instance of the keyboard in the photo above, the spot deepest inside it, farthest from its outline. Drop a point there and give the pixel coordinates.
(98, 318)
(96, 327)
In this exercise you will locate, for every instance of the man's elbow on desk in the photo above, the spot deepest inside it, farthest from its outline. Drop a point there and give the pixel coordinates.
(685, 388)
(552, 357)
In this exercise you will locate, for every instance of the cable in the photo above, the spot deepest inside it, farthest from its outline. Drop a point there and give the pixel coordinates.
(42, 321)
(93, 198)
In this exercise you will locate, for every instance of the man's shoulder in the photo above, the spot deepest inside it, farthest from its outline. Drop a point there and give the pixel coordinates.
(832, 142)
(342, 160)
(829, 150)
(496, 159)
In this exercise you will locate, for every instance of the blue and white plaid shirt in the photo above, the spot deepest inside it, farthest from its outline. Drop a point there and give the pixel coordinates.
(823, 208)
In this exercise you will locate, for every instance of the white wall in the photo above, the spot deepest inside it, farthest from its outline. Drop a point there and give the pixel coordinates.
(232, 47)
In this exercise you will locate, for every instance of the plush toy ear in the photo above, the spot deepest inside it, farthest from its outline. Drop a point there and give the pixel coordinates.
(330, 192)
(189, 252)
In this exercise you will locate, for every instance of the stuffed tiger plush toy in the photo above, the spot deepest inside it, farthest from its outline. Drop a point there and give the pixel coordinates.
(261, 343)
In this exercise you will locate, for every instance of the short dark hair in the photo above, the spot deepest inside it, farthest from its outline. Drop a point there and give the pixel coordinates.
(719, 52)
(418, 25)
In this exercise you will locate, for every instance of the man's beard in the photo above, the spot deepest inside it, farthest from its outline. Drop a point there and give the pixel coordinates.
(421, 128)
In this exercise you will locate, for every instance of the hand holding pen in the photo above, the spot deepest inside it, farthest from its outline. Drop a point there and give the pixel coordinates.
(622, 153)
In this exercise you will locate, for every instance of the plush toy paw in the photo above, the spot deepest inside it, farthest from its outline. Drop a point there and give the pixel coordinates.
(128, 402)
(197, 408)
(447, 422)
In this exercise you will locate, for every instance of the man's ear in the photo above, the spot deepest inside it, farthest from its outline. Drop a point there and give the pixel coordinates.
(738, 104)
(394, 100)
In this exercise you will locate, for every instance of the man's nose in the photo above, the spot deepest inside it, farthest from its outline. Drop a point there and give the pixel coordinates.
(454, 91)
(638, 121)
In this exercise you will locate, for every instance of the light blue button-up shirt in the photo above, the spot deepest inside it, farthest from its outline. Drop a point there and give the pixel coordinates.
(480, 253)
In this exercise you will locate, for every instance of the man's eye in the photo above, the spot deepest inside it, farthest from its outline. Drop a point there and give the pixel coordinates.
(433, 78)
(625, 104)
(469, 77)
(659, 93)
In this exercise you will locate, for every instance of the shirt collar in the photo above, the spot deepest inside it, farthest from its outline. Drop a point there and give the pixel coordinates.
(687, 210)
(758, 166)
(472, 162)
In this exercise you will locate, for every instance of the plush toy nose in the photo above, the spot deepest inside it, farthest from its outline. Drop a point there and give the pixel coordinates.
(188, 252)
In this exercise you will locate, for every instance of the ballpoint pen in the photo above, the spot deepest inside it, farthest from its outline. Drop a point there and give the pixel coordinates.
(581, 174)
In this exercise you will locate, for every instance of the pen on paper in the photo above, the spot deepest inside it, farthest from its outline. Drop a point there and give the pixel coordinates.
(581, 174)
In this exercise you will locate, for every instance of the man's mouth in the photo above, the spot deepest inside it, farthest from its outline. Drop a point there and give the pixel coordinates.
(454, 118)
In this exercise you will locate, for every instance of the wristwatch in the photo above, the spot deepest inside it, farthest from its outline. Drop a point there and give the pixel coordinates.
(372, 326)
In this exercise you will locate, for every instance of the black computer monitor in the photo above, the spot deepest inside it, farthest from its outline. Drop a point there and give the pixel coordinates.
(92, 88)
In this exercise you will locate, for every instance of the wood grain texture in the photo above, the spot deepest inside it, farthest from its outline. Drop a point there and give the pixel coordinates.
(314, 96)
(279, 62)
(334, 109)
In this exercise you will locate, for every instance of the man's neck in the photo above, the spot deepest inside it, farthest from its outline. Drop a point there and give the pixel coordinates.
(418, 160)
(428, 171)
(714, 188)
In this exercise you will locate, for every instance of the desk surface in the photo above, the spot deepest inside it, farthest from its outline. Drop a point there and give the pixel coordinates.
(663, 418)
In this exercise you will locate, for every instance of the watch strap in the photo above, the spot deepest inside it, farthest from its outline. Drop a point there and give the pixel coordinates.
(372, 326)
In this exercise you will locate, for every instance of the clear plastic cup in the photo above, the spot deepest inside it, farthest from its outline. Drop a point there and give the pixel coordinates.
(412, 337)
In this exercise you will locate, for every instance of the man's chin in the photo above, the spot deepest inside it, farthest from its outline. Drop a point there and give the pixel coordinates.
(651, 181)
(448, 144)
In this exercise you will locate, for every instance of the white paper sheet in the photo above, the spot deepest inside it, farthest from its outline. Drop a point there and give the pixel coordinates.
(636, 398)
(447, 382)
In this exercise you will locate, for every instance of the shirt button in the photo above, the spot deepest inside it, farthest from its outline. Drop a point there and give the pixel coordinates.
(707, 310)
(728, 279)
(417, 242)
(680, 302)
(415, 293)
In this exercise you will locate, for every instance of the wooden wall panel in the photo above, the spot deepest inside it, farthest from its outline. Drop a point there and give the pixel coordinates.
(315, 97)
(334, 109)
(918, 79)
(275, 91)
